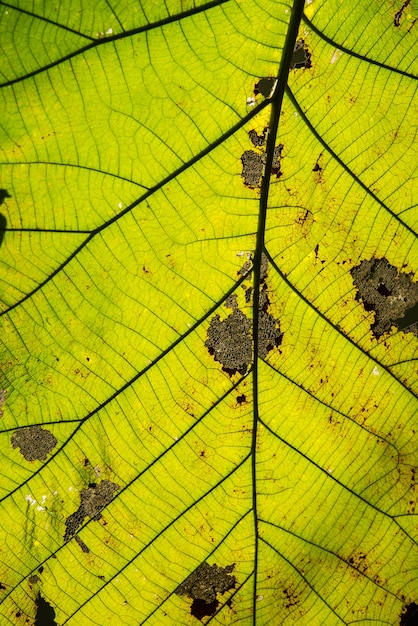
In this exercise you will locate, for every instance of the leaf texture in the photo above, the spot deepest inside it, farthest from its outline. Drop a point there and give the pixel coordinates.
(207, 210)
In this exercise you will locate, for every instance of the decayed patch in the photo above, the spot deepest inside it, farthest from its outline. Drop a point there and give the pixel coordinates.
(35, 443)
(269, 334)
(253, 165)
(92, 501)
(203, 586)
(265, 87)
(301, 57)
(256, 139)
(275, 166)
(387, 292)
(229, 341)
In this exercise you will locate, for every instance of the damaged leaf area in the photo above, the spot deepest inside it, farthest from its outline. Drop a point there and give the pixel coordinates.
(301, 57)
(203, 586)
(92, 501)
(35, 443)
(253, 163)
(3, 393)
(230, 341)
(386, 291)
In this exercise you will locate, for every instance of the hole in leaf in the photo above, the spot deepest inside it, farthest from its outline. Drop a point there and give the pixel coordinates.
(409, 615)
(45, 614)
(252, 168)
(301, 57)
(264, 87)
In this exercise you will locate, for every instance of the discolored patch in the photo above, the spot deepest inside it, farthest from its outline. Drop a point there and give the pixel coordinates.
(81, 544)
(3, 195)
(269, 334)
(45, 614)
(301, 57)
(265, 87)
(229, 341)
(3, 393)
(203, 586)
(256, 139)
(35, 443)
(276, 166)
(34, 579)
(92, 501)
(387, 292)
(253, 165)
(409, 615)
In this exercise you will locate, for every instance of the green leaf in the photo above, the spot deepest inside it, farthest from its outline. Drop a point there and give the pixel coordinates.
(208, 303)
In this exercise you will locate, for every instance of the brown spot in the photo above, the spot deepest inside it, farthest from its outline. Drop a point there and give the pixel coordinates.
(258, 140)
(301, 57)
(253, 165)
(34, 579)
(92, 501)
(398, 14)
(229, 341)
(2, 587)
(389, 293)
(269, 334)
(81, 544)
(203, 586)
(35, 443)
(275, 166)
(242, 399)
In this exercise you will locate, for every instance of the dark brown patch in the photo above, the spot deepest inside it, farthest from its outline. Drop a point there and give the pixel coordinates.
(409, 615)
(35, 443)
(2, 587)
(387, 292)
(3, 195)
(275, 166)
(203, 586)
(398, 14)
(253, 165)
(229, 341)
(264, 87)
(269, 334)
(301, 57)
(3, 393)
(45, 614)
(92, 502)
(242, 399)
(258, 140)
(34, 579)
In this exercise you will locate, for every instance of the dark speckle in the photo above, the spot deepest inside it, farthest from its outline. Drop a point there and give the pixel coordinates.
(398, 14)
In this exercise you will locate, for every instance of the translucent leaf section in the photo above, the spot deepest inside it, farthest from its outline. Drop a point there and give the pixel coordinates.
(208, 300)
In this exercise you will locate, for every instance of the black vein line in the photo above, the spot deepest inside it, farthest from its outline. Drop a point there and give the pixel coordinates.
(100, 42)
(276, 106)
(343, 165)
(336, 326)
(334, 44)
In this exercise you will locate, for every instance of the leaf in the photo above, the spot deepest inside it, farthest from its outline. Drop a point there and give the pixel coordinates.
(176, 200)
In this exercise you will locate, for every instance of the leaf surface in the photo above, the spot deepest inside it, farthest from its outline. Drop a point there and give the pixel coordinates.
(208, 305)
